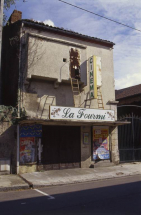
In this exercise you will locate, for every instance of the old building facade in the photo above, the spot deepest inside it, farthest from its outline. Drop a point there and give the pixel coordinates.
(64, 81)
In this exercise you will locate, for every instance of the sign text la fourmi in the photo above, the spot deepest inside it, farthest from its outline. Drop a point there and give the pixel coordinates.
(69, 113)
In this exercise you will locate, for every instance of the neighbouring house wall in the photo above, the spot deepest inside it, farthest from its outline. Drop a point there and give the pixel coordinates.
(10, 64)
(8, 143)
(134, 100)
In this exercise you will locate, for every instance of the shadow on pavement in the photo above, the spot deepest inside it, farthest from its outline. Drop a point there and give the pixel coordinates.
(106, 200)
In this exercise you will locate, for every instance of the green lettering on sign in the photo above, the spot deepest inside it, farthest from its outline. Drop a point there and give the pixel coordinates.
(91, 87)
(91, 95)
(91, 80)
(91, 73)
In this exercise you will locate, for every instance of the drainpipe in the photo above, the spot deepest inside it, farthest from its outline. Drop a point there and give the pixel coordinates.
(20, 79)
(18, 151)
(133, 135)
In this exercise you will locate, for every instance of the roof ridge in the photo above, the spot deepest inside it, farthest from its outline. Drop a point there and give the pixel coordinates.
(65, 30)
(128, 87)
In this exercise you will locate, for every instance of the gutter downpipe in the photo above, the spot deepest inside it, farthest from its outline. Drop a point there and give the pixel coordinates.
(19, 101)
(18, 143)
(19, 82)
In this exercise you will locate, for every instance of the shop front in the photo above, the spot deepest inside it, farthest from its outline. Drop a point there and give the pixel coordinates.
(71, 138)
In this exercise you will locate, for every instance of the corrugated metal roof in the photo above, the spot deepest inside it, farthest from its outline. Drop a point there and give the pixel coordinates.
(62, 30)
(127, 92)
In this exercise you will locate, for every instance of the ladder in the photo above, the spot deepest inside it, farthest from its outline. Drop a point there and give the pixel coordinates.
(75, 88)
(99, 99)
(44, 106)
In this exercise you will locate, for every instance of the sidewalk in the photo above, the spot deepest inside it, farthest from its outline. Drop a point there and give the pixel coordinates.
(67, 176)
(70, 176)
(12, 182)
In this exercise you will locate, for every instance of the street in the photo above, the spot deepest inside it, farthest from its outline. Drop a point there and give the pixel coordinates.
(116, 196)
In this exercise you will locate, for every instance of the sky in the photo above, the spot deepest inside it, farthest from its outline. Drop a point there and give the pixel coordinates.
(127, 51)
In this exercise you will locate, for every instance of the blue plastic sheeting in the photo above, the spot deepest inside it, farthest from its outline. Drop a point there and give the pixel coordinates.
(31, 131)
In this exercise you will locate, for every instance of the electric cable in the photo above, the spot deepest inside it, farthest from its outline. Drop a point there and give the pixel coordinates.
(100, 16)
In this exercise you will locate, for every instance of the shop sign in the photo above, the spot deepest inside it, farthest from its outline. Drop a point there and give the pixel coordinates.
(69, 113)
(101, 143)
(95, 78)
(91, 76)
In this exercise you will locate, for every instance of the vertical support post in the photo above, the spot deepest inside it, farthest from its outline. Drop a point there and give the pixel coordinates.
(133, 135)
(40, 150)
(110, 144)
(18, 143)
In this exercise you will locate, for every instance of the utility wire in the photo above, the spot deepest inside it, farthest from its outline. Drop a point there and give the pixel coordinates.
(100, 15)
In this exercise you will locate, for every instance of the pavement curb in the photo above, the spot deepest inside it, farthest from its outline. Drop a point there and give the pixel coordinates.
(5, 189)
(26, 181)
(81, 181)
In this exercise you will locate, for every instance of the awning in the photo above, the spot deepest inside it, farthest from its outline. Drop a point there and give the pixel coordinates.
(73, 122)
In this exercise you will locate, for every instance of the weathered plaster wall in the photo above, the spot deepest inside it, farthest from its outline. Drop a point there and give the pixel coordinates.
(40, 94)
(45, 60)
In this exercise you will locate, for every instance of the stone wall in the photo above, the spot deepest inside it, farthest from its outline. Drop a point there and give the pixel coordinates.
(114, 145)
(27, 168)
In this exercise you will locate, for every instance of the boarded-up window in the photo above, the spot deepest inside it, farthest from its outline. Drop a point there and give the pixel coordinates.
(75, 63)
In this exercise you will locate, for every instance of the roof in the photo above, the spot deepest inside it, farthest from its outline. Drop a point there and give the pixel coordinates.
(66, 32)
(127, 92)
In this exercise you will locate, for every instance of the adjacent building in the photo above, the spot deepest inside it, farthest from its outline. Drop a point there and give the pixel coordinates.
(129, 136)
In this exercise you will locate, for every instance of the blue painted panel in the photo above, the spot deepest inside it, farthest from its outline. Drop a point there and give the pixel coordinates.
(31, 131)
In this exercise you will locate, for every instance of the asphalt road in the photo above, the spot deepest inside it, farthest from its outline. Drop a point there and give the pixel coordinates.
(111, 197)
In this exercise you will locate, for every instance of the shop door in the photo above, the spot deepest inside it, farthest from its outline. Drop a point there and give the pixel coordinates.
(61, 147)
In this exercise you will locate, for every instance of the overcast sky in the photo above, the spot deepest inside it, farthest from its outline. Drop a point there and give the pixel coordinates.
(127, 51)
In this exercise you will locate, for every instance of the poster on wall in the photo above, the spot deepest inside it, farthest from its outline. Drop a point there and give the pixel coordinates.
(101, 143)
(27, 150)
(86, 138)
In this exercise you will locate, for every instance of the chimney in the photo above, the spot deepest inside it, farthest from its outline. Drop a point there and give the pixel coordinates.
(15, 16)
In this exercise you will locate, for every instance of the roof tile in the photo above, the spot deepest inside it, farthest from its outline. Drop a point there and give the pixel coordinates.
(127, 92)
